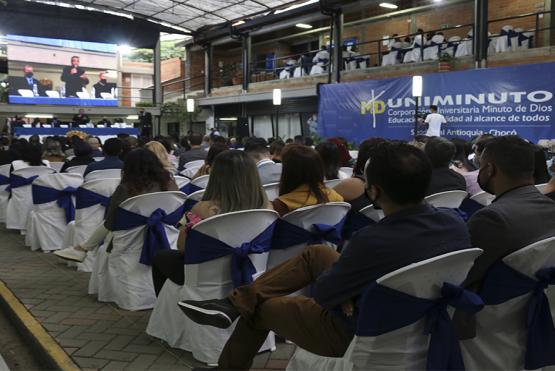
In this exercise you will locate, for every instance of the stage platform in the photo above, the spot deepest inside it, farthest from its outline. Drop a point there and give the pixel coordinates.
(102, 133)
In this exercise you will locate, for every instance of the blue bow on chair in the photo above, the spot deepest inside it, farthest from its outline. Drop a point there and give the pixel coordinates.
(522, 37)
(287, 234)
(85, 198)
(17, 181)
(155, 233)
(503, 283)
(510, 34)
(4, 180)
(190, 188)
(43, 195)
(383, 310)
(201, 248)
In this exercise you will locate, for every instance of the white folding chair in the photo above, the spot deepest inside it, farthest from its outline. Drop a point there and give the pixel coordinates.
(407, 347)
(449, 199)
(329, 214)
(432, 51)
(4, 194)
(123, 279)
(501, 327)
(89, 215)
(48, 220)
(272, 191)
(57, 166)
(483, 198)
(502, 43)
(80, 169)
(208, 280)
(103, 174)
(21, 201)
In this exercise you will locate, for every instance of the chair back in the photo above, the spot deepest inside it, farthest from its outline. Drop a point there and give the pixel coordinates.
(272, 191)
(103, 174)
(4, 193)
(181, 181)
(80, 169)
(233, 229)
(201, 181)
(483, 198)
(324, 214)
(332, 183)
(541, 187)
(59, 181)
(449, 199)
(57, 166)
(346, 170)
(371, 212)
(196, 163)
(407, 347)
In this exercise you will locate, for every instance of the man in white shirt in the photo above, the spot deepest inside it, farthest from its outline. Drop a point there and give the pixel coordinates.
(434, 121)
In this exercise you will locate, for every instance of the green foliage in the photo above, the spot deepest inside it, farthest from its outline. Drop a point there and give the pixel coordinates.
(144, 104)
(168, 51)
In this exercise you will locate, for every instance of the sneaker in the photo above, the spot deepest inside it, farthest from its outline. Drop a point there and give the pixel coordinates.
(71, 254)
(219, 313)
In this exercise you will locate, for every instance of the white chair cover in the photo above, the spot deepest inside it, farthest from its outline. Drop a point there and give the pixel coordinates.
(209, 280)
(330, 214)
(332, 183)
(77, 169)
(124, 280)
(181, 181)
(483, 198)
(348, 171)
(195, 163)
(88, 219)
(452, 44)
(449, 199)
(103, 174)
(465, 48)
(502, 43)
(272, 191)
(201, 181)
(47, 222)
(4, 195)
(432, 51)
(405, 348)
(500, 342)
(57, 166)
(190, 172)
(371, 212)
(21, 202)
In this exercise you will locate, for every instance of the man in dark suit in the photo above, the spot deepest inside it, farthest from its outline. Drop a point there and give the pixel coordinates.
(102, 86)
(441, 152)
(80, 119)
(26, 82)
(74, 77)
(325, 324)
(519, 216)
(145, 123)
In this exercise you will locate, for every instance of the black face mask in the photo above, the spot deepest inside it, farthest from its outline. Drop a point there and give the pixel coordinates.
(29, 74)
(103, 81)
(483, 182)
(373, 201)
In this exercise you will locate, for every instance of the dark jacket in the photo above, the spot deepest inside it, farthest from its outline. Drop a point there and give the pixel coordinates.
(445, 179)
(74, 83)
(192, 155)
(76, 161)
(20, 82)
(110, 162)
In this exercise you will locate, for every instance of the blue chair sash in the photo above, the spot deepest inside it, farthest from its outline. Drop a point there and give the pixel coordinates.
(287, 234)
(510, 34)
(503, 283)
(4, 180)
(43, 195)
(323, 60)
(85, 198)
(190, 188)
(383, 310)
(470, 207)
(522, 37)
(155, 233)
(354, 222)
(201, 248)
(17, 181)
(454, 45)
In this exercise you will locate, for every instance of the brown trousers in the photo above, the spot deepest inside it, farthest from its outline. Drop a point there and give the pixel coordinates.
(264, 307)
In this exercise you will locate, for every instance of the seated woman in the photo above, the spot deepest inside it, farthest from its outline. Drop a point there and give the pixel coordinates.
(160, 151)
(31, 155)
(330, 155)
(83, 156)
(353, 189)
(142, 173)
(215, 150)
(234, 186)
(276, 148)
(302, 180)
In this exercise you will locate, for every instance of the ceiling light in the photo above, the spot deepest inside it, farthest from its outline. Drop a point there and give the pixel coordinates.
(228, 119)
(303, 25)
(388, 5)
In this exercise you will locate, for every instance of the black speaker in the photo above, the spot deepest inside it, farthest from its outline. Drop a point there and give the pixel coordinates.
(243, 127)
(330, 4)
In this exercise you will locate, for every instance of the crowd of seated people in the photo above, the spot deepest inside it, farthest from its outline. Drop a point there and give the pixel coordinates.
(394, 176)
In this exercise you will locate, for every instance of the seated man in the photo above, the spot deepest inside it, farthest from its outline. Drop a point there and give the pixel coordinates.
(441, 152)
(112, 150)
(197, 152)
(412, 231)
(269, 171)
(94, 142)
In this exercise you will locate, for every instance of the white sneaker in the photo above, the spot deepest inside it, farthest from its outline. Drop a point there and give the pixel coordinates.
(71, 254)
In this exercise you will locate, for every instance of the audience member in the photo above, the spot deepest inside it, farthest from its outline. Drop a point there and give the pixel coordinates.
(142, 173)
(269, 171)
(345, 157)
(83, 156)
(129, 143)
(95, 144)
(325, 323)
(234, 186)
(302, 180)
(353, 189)
(299, 139)
(549, 190)
(276, 147)
(215, 150)
(441, 152)
(7, 152)
(463, 166)
(478, 146)
(31, 155)
(183, 147)
(53, 151)
(195, 153)
(160, 151)
(329, 153)
(112, 150)
(541, 175)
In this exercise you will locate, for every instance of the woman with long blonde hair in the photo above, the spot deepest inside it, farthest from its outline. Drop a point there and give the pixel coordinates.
(160, 151)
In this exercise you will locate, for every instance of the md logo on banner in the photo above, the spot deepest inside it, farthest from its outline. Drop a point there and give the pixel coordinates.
(501, 101)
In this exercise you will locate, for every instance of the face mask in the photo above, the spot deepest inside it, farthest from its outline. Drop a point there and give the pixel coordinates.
(103, 81)
(483, 181)
(29, 74)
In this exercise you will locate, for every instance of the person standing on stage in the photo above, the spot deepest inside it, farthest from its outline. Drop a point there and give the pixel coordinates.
(434, 121)
(145, 123)
(74, 77)
(80, 119)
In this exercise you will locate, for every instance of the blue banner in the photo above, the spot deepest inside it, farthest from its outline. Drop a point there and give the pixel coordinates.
(500, 101)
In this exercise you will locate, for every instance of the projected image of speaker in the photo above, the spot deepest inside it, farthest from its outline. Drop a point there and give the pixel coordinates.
(243, 127)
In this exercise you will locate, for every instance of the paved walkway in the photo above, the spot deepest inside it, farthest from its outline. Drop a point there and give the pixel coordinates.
(95, 335)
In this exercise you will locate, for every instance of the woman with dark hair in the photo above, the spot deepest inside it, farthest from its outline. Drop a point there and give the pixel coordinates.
(302, 180)
(83, 156)
(465, 167)
(234, 185)
(541, 175)
(142, 173)
(329, 153)
(215, 150)
(344, 155)
(353, 189)
(276, 147)
(30, 155)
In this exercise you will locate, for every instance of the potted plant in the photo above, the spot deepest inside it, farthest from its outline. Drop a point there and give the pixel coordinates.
(445, 62)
